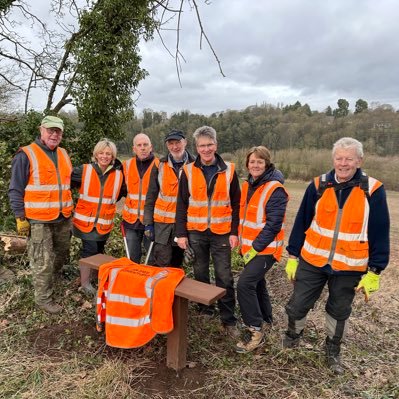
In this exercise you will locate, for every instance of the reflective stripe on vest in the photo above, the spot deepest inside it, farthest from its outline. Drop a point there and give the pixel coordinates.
(338, 237)
(214, 213)
(96, 207)
(165, 204)
(253, 218)
(137, 188)
(47, 193)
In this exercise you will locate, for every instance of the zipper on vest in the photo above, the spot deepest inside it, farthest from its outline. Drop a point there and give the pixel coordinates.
(336, 231)
(100, 200)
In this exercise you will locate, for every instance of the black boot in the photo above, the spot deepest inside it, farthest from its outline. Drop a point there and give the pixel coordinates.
(291, 339)
(333, 349)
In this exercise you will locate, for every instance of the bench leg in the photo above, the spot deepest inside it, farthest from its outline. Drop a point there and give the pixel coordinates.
(177, 339)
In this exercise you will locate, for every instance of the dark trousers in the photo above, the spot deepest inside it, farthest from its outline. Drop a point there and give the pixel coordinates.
(134, 240)
(90, 248)
(168, 255)
(309, 284)
(205, 245)
(253, 297)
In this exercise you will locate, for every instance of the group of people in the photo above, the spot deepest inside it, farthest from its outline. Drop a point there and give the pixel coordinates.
(183, 204)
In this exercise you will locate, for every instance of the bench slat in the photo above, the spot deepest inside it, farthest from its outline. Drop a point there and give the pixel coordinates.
(188, 288)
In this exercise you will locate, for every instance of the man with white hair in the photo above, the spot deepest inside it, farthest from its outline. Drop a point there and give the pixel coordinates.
(341, 237)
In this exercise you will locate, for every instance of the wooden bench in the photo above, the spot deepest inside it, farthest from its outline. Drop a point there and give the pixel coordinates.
(187, 290)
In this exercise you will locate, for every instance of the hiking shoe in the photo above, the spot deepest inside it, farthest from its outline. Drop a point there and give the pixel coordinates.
(253, 339)
(291, 340)
(232, 331)
(88, 290)
(50, 307)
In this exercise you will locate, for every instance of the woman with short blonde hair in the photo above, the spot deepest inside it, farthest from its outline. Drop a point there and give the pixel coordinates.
(101, 185)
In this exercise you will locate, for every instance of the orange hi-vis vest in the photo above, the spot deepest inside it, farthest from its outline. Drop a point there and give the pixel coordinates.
(136, 190)
(135, 301)
(338, 237)
(48, 192)
(165, 205)
(214, 213)
(253, 219)
(96, 206)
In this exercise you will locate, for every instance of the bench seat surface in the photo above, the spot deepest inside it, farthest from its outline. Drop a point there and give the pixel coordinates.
(188, 288)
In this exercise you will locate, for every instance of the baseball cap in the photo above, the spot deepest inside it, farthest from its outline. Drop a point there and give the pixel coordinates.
(175, 135)
(52, 121)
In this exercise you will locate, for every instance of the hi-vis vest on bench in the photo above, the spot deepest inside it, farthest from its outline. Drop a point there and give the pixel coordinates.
(135, 301)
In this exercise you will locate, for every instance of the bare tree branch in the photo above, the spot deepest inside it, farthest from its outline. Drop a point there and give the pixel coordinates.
(11, 83)
(203, 34)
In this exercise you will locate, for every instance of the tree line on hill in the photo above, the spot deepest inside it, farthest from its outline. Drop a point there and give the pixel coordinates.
(287, 127)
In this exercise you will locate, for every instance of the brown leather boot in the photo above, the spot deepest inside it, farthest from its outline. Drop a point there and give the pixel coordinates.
(50, 307)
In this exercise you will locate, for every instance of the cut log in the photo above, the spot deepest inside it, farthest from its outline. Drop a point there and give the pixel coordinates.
(14, 244)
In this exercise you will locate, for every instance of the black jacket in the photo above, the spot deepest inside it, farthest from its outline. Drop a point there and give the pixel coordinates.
(184, 195)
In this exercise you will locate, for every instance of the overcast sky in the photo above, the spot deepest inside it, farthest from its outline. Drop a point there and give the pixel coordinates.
(273, 51)
(278, 51)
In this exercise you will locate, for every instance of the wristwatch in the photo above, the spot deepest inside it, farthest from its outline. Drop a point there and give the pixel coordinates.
(374, 270)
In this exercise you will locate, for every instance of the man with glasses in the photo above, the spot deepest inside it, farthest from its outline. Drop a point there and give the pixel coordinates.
(207, 219)
(41, 200)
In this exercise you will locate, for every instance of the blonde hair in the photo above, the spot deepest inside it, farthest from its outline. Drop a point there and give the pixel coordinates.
(260, 152)
(101, 146)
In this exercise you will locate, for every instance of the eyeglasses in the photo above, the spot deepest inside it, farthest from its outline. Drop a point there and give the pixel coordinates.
(205, 146)
(56, 131)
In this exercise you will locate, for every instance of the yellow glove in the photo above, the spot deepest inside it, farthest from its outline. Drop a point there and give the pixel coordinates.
(23, 227)
(248, 256)
(290, 268)
(368, 284)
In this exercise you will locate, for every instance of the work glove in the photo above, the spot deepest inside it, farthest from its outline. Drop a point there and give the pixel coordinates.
(189, 256)
(368, 284)
(149, 232)
(290, 268)
(23, 227)
(248, 256)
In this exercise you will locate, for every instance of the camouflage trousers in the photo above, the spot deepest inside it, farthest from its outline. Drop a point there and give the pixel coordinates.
(48, 249)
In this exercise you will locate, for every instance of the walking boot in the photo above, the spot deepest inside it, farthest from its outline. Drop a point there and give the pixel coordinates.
(253, 339)
(50, 307)
(291, 339)
(333, 349)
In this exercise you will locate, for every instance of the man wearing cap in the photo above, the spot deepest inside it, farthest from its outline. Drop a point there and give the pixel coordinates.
(41, 200)
(160, 206)
(137, 171)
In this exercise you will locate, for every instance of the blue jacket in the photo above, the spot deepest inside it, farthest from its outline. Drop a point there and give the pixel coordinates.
(378, 226)
(275, 207)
